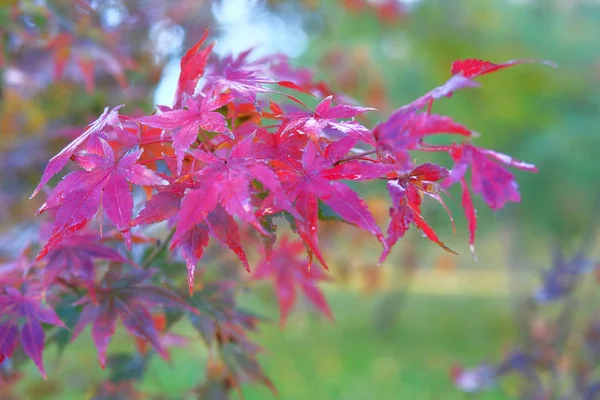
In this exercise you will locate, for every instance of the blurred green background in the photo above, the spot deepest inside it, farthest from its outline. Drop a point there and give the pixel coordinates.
(400, 328)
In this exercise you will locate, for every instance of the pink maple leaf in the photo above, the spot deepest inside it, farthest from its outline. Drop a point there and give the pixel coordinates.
(79, 195)
(94, 131)
(489, 179)
(313, 124)
(185, 124)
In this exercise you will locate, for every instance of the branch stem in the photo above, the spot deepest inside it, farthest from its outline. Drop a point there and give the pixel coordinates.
(359, 155)
(158, 250)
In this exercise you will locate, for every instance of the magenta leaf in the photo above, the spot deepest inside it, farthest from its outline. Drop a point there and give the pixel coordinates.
(185, 124)
(489, 179)
(313, 124)
(78, 196)
(25, 313)
(405, 130)
(92, 132)
(74, 258)
(313, 181)
(125, 296)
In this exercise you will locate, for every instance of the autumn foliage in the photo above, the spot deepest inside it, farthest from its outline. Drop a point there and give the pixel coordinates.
(242, 158)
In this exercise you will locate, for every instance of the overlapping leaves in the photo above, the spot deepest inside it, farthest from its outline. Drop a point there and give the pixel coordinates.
(215, 164)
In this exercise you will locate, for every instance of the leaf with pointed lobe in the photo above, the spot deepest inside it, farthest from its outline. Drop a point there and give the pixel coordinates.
(406, 129)
(110, 117)
(489, 179)
(78, 196)
(312, 182)
(312, 124)
(494, 183)
(222, 191)
(290, 272)
(284, 145)
(230, 179)
(243, 82)
(185, 124)
(193, 63)
(472, 68)
(74, 257)
(405, 193)
(24, 313)
(124, 295)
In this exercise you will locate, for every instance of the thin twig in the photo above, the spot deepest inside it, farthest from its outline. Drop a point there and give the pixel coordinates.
(158, 250)
(359, 155)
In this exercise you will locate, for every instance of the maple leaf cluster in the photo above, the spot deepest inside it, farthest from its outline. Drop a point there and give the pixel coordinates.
(238, 150)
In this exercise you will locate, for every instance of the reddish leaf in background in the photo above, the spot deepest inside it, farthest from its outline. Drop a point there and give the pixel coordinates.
(290, 271)
(22, 317)
(406, 194)
(15, 272)
(86, 56)
(74, 258)
(472, 68)
(305, 186)
(167, 339)
(193, 64)
(93, 132)
(186, 123)
(78, 196)
(312, 124)
(489, 179)
(125, 295)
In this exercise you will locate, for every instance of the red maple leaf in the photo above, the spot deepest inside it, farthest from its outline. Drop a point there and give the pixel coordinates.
(185, 124)
(79, 195)
(193, 64)
(124, 295)
(21, 319)
(489, 179)
(316, 180)
(472, 68)
(406, 193)
(93, 132)
(290, 271)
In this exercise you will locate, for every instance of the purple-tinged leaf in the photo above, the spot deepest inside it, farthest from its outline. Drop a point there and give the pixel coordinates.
(56, 163)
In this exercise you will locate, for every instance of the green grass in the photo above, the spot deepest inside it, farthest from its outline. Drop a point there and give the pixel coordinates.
(351, 359)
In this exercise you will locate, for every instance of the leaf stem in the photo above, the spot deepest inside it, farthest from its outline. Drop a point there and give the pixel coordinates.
(157, 250)
(359, 155)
